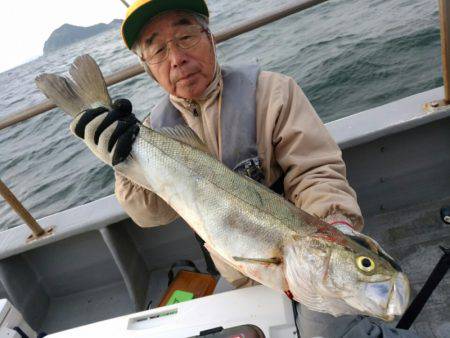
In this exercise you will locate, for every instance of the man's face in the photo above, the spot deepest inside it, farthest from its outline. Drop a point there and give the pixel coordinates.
(184, 73)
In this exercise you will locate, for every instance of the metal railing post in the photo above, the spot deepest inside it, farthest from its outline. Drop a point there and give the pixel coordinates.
(9, 197)
(125, 3)
(444, 18)
(444, 14)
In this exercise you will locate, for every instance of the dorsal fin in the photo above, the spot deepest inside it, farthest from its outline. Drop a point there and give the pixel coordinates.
(186, 135)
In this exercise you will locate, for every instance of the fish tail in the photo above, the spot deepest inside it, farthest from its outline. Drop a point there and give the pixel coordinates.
(90, 82)
(87, 90)
(62, 92)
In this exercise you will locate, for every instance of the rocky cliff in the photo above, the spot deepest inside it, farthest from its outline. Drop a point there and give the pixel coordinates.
(68, 34)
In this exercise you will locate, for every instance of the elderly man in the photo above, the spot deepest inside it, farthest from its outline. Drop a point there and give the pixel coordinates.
(254, 121)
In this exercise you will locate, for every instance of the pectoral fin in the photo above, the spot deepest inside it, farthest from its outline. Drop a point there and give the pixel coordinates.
(273, 260)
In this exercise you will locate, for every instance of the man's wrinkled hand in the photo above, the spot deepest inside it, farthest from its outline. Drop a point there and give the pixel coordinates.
(108, 134)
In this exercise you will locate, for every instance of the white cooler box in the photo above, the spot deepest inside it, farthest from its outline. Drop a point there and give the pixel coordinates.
(11, 318)
(260, 306)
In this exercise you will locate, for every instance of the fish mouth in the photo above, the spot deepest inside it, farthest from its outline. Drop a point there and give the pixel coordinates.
(387, 299)
(399, 298)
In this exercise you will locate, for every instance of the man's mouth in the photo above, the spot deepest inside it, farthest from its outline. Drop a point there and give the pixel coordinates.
(186, 78)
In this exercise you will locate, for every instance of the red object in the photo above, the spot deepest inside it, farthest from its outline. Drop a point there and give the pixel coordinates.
(289, 294)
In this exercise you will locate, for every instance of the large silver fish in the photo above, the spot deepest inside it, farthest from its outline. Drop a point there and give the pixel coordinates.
(253, 229)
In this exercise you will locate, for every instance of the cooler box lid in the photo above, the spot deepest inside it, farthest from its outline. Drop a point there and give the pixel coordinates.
(260, 306)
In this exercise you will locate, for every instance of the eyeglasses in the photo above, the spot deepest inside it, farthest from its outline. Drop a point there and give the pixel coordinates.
(157, 51)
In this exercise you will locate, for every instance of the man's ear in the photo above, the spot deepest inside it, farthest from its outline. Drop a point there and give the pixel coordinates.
(212, 38)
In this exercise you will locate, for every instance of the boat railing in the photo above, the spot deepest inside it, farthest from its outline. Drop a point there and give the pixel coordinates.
(221, 36)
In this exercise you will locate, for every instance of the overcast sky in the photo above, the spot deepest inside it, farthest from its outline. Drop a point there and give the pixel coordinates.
(26, 24)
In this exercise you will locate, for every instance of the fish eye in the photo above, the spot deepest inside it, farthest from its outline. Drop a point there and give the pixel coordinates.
(365, 263)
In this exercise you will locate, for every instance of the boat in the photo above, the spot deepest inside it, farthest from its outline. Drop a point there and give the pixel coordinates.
(91, 263)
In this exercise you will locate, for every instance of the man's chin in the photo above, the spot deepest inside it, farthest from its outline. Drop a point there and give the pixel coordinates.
(191, 92)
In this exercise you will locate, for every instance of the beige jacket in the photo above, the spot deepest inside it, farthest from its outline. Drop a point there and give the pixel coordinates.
(291, 138)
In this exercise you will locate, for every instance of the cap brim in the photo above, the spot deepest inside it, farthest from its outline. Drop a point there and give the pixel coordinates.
(133, 24)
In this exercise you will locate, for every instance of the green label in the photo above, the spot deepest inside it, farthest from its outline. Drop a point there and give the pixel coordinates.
(179, 296)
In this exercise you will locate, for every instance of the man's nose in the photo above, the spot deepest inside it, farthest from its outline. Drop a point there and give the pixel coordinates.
(177, 56)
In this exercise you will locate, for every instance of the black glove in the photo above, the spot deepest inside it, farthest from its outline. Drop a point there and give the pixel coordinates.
(109, 134)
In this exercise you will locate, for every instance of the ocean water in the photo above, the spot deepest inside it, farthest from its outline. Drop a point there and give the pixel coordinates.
(347, 55)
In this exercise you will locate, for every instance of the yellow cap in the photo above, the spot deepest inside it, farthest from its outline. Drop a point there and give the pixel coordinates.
(141, 11)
